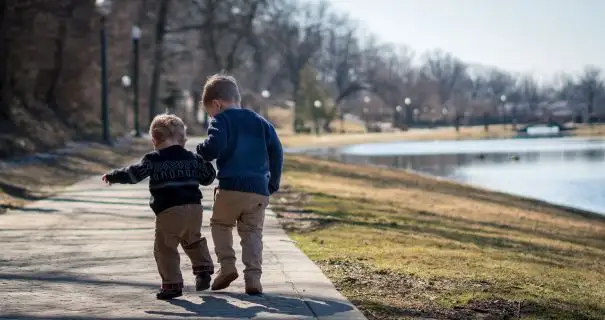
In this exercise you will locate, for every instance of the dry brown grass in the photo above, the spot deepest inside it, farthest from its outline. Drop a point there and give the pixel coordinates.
(282, 118)
(402, 245)
(30, 182)
(445, 133)
(335, 140)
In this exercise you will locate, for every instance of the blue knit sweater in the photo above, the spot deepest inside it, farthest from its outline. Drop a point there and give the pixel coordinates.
(248, 153)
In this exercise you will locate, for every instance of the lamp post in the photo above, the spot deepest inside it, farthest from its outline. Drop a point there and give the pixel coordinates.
(126, 83)
(266, 95)
(317, 104)
(502, 108)
(136, 35)
(366, 100)
(408, 112)
(397, 115)
(104, 8)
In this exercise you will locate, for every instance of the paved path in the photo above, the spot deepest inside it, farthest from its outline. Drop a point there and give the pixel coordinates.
(88, 254)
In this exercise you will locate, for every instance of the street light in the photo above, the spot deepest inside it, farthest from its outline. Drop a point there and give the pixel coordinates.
(367, 99)
(408, 113)
(397, 117)
(317, 104)
(126, 82)
(266, 95)
(502, 108)
(104, 8)
(136, 35)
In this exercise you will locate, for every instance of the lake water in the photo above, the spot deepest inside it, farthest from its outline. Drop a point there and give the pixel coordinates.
(565, 171)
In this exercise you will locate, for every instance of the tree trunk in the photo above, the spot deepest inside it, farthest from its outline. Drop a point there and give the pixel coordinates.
(4, 49)
(160, 32)
(60, 44)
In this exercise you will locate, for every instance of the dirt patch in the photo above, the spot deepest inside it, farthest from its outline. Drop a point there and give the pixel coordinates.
(289, 207)
(383, 294)
(35, 180)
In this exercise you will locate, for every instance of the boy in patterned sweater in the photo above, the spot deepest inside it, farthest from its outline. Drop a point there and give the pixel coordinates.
(174, 178)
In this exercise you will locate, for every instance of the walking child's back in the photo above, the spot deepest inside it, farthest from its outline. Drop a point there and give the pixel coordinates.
(249, 159)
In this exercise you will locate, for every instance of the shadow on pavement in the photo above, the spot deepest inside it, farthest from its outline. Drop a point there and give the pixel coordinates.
(219, 305)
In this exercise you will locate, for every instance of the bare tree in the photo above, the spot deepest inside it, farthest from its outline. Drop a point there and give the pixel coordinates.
(529, 94)
(298, 35)
(446, 70)
(590, 86)
(158, 56)
(339, 64)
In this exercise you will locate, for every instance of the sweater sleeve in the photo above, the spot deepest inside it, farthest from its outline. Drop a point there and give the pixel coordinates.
(215, 143)
(206, 173)
(132, 174)
(276, 159)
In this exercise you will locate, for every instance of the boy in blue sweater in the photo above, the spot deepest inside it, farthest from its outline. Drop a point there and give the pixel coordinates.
(249, 159)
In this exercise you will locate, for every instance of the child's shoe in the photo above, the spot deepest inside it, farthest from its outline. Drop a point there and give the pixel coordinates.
(170, 293)
(224, 278)
(253, 286)
(202, 281)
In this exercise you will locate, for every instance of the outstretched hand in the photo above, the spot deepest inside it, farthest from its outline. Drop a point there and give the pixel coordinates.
(104, 178)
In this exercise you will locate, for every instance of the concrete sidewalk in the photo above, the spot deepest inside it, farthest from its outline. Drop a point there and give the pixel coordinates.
(88, 254)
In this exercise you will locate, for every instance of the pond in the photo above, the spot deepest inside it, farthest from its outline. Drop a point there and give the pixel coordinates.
(565, 171)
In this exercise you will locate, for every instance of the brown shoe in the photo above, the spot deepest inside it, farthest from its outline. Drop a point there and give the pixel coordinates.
(253, 286)
(223, 279)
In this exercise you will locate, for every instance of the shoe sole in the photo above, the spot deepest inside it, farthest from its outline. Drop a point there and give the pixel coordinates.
(202, 287)
(225, 283)
(169, 298)
(254, 292)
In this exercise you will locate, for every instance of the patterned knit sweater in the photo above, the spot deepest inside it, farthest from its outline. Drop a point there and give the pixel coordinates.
(174, 176)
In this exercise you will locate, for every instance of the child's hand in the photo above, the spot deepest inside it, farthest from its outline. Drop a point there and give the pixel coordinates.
(104, 178)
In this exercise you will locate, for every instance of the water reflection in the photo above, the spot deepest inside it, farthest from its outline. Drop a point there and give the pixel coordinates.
(571, 174)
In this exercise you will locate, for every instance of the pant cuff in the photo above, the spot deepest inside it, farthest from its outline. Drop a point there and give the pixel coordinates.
(203, 269)
(174, 286)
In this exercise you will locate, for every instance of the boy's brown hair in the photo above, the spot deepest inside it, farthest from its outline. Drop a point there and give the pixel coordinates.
(221, 87)
(167, 126)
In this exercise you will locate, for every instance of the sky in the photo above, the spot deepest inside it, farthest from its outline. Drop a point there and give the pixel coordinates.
(535, 36)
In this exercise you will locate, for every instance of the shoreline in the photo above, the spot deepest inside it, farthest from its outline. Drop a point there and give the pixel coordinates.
(539, 202)
(310, 153)
(442, 133)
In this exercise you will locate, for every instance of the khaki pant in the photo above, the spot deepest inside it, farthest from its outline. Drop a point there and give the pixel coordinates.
(180, 225)
(247, 212)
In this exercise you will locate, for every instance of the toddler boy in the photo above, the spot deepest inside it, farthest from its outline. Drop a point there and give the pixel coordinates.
(249, 160)
(174, 178)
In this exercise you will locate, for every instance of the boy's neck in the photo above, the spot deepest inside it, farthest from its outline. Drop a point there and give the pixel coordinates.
(167, 144)
(231, 105)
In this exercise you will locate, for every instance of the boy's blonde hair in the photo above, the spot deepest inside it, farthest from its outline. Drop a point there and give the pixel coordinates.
(167, 127)
(221, 87)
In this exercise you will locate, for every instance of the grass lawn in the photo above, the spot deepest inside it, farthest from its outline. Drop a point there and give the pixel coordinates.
(29, 182)
(400, 245)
